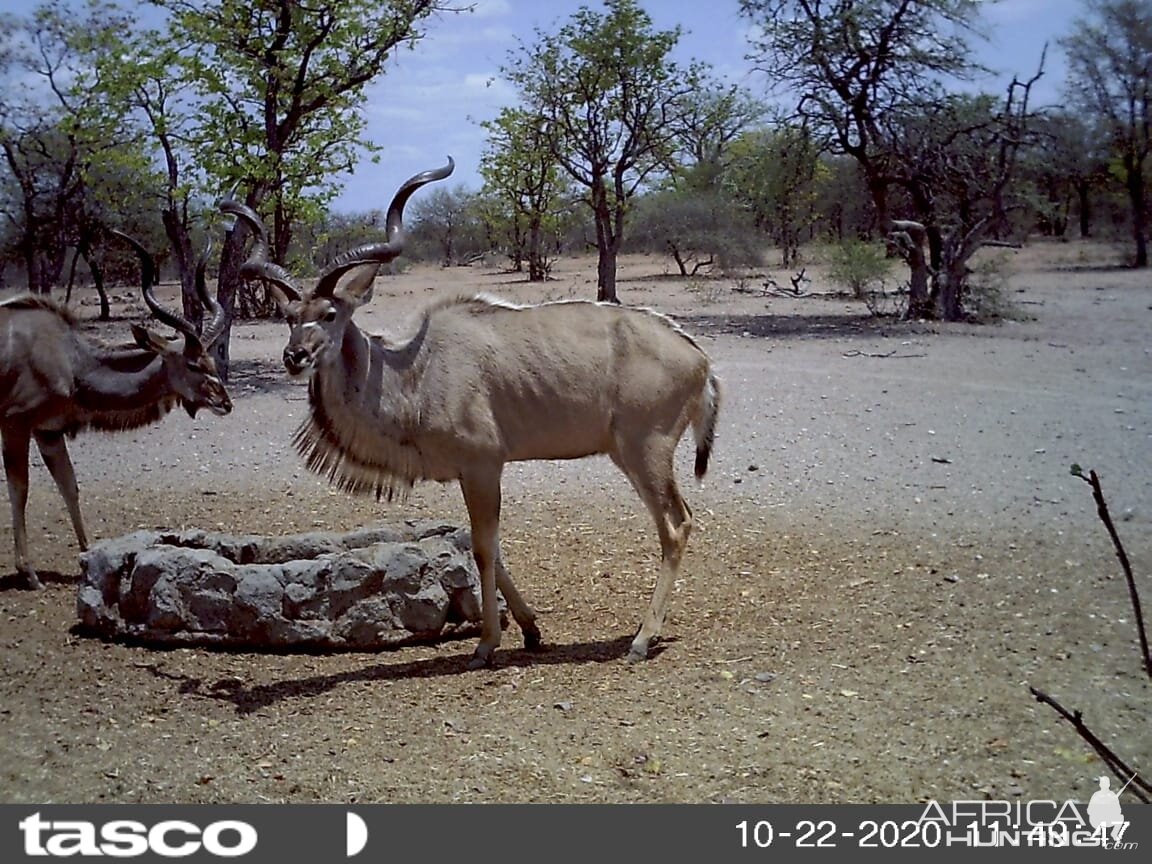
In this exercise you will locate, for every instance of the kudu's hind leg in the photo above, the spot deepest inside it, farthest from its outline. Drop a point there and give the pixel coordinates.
(15, 449)
(651, 470)
(482, 498)
(522, 613)
(54, 449)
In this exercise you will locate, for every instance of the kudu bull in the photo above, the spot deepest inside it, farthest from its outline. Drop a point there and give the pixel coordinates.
(479, 383)
(56, 382)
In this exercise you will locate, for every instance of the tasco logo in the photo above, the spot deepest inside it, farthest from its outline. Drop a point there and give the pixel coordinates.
(125, 838)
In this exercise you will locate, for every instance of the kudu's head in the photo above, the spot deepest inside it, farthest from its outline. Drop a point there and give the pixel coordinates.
(189, 365)
(318, 318)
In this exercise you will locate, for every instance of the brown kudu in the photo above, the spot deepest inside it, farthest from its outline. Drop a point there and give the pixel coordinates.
(56, 382)
(478, 383)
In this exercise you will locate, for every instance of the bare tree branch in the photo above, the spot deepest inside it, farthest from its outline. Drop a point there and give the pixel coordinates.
(1105, 517)
(1119, 768)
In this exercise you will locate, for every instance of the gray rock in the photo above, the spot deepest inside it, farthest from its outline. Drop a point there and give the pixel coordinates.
(367, 589)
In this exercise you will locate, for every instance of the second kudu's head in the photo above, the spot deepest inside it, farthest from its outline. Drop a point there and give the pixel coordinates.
(318, 318)
(188, 362)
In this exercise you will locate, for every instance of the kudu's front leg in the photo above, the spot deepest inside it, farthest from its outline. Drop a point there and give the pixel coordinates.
(15, 448)
(54, 448)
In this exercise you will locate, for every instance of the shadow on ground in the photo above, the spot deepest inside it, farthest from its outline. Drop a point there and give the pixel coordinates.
(261, 376)
(249, 698)
(785, 326)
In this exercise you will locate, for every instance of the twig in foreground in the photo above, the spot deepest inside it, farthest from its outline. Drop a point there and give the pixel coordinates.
(1119, 768)
(1105, 517)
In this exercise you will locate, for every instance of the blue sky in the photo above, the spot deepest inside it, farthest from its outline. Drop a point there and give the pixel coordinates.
(431, 100)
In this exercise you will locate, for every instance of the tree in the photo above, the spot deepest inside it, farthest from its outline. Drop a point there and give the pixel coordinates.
(606, 90)
(862, 71)
(699, 228)
(699, 217)
(278, 88)
(844, 209)
(445, 220)
(708, 123)
(1110, 78)
(957, 158)
(56, 121)
(1066, 163)
(143, 72)
(521, 173)
(777, 175)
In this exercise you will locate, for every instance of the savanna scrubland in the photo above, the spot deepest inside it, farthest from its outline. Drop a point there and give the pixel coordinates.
(889, 549)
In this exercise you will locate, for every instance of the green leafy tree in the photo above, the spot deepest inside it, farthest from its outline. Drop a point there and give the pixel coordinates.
(694, 216)
(777, 175)
(278, 91)
(144, 72)
(1110, 79)
(522, 174)
(708, 123)
(606, 88)
(843, 206)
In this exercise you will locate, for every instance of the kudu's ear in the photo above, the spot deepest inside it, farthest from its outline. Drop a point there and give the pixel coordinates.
(150, 341)
(357, 288)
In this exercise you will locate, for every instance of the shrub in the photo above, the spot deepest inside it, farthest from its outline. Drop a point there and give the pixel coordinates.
(862, 268)
(986, 295)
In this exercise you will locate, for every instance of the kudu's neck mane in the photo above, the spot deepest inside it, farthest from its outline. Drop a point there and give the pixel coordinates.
(123, 389)
(360, 433)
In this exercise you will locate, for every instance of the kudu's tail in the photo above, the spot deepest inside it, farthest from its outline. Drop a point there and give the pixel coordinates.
(704, 424)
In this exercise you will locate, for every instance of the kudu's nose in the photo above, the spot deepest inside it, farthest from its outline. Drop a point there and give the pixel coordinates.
(297, 360)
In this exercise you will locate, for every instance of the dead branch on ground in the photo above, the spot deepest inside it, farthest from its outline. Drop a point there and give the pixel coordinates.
(883, 355)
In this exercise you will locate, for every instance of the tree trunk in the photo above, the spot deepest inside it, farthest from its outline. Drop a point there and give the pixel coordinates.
(606, 247)
(72, 272)
(98, 281)
(919, 305)
(1082, 190)
(606, 275)
(537, 269)
(949, 292)
(1136, 196)
(228, 285)
(908, 239)
(177, 234)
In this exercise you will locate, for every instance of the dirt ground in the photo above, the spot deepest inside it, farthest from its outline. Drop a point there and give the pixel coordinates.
(889, 550)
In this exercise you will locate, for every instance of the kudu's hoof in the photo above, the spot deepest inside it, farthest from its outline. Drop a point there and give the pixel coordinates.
(532, 640)
(31, 580)
(482, 658)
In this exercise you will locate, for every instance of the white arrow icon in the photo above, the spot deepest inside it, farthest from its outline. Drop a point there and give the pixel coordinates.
(357, 835)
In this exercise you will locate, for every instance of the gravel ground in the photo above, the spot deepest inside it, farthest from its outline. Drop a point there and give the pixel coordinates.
(889, 550)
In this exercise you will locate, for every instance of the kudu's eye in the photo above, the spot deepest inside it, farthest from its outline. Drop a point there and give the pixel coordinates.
(330, 315)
